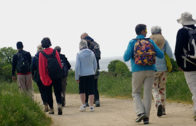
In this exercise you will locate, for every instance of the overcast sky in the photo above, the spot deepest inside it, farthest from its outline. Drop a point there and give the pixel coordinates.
(110, 22)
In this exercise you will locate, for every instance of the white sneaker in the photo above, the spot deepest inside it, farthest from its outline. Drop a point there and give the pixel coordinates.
(82, 108)
(92, 108)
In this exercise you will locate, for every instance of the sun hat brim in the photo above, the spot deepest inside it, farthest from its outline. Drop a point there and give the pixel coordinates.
(186, 22)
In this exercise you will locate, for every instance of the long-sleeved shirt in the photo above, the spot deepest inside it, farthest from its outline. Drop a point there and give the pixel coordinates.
(43, 72)
(15, 59)
(160, 62)
(129, 55)
(86, 63)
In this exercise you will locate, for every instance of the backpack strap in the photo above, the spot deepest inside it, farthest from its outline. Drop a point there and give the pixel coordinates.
(45, 54)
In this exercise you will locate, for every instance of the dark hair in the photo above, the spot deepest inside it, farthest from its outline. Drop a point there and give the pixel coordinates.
(58, 48)
(46, 42)
(19, 45)
(139, 28)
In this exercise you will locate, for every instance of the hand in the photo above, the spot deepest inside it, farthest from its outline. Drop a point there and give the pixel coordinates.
(180, 69)
(14, 78)
(77, 81)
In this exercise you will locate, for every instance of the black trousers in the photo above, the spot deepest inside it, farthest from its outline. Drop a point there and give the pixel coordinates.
(57, 91)
(42, 90)
(96, 92)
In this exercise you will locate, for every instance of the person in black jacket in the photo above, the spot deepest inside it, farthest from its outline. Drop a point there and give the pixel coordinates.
(66, 66)
(21, 63)
(94, 46)
(185, 52)
(36, 78)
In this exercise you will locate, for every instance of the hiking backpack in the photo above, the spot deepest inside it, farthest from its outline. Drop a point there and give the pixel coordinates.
(190, 52)
(144, 52)
(23, 65)
(54, 69)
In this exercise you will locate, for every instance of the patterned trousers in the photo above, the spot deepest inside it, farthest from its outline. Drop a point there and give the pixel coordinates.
(159, 88)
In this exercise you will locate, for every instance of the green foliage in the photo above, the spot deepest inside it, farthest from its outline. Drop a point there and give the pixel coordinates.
(120, 86)
(17, 109)
(118, 67)
(174, 65)
(6, 55)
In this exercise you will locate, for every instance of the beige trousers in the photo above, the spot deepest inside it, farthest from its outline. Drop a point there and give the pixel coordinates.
(25, 84)
(142, 79)
(191, 81)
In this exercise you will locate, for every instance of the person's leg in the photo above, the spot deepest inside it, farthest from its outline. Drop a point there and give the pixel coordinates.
(155, 89)
(137, 83)
(96, 96)
(57, 91)
(147, 96)
(48, 92)
(82, 81)
(162, 91)
(21, 83)
(29, 86)
(191, 81)
(64, 83)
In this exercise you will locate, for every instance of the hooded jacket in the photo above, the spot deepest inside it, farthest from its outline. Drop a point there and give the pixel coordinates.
(86, 63)
(43, 72)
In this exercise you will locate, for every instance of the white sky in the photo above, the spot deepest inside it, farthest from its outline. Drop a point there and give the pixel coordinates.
(110, 22)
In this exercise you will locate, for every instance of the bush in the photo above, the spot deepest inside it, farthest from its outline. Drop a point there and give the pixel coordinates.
(118, 67)
(17, 109)
(174, 65)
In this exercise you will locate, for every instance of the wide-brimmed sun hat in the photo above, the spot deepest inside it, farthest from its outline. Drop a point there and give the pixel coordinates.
(186, 19)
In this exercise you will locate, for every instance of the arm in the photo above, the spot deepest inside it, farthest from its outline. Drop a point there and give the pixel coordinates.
(14, 63)
(168, 49)
(129, 51)
(77, 67)
(94, 63)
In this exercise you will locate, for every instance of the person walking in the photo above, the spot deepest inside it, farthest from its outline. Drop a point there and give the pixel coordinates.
(50, 73)
(185, 52)
(36, 78)
(143, 69)
(160, 77)
(21, 63)
(66, 66)
(85, 69)
(94, 46)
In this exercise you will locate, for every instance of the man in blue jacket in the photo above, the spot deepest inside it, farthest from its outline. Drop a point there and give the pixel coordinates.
(142, 75)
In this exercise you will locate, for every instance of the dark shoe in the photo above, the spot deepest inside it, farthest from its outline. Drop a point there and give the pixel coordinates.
(146, 120)
(60, 109)
(140, 117)
(163, 111)
(160, 111)
(97, 103)
(51, 111)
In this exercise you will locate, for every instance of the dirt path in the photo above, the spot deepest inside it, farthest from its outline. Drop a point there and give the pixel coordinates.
(118, 112)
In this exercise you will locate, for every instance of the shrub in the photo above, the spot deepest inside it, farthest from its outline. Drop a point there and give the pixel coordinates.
(118, 67)
(174, 65)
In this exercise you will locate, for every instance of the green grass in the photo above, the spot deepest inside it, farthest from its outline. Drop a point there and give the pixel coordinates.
(17, 109)
(120, 86)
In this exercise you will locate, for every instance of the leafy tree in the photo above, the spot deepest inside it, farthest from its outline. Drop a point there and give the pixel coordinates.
(6, 54)
(118, 67)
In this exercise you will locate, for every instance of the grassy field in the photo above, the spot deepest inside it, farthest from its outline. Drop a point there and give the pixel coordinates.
(17, 109)
(120, 86)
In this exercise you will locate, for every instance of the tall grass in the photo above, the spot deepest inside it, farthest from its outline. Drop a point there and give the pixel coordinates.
(120, 86)
(17, 109)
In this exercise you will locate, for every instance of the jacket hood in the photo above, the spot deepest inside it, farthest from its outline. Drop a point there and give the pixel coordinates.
(158, 39)
(85, 52)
